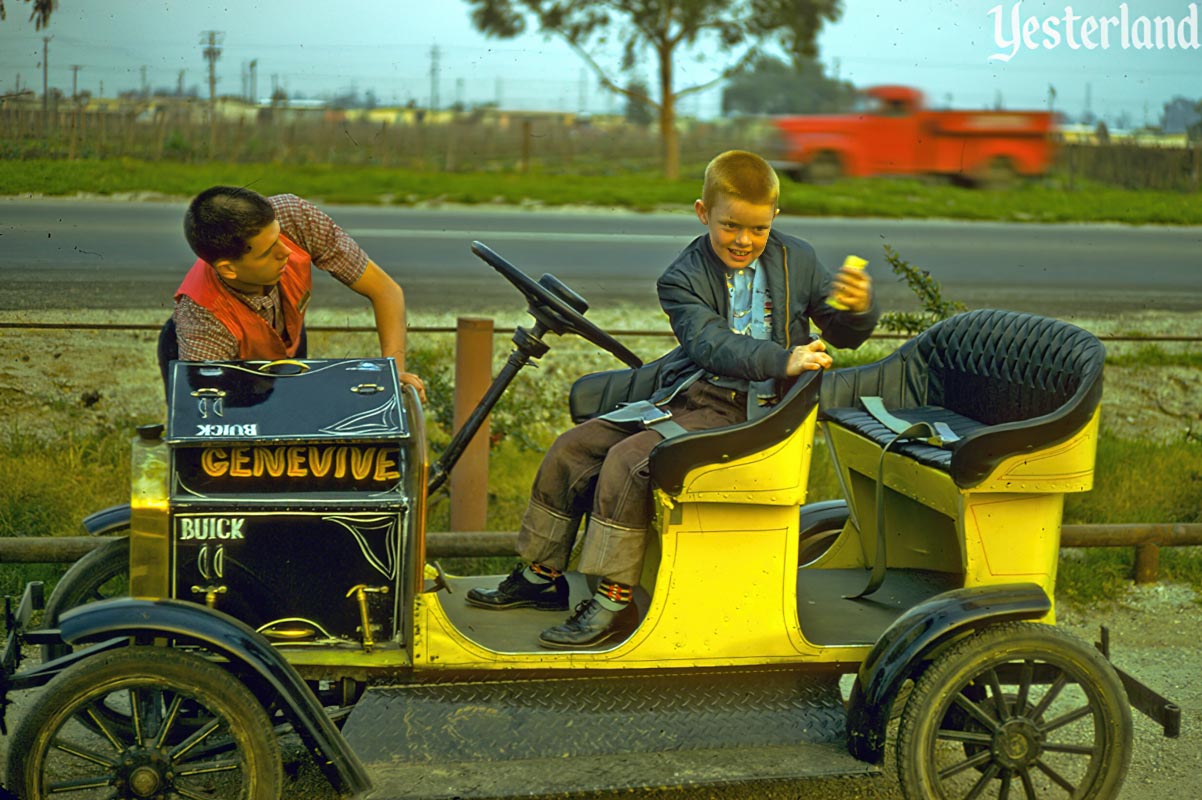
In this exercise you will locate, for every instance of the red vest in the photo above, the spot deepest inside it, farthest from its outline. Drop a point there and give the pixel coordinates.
(257, 340)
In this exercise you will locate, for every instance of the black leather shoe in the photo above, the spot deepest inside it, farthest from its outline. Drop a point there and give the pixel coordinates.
(592, 624)
(517, 592)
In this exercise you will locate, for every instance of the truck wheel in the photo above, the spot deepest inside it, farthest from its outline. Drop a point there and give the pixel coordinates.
(825, 168)
(1017, 709)
(99, 575)
(63, 746)
(1000, 174)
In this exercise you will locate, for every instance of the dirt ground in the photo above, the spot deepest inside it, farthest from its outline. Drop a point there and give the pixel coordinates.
(55, 381)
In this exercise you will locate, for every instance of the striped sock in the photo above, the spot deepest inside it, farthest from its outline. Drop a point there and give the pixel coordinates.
(540, 573)
(612, 595)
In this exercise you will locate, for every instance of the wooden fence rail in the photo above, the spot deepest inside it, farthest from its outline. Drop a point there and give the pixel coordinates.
(1146, 538)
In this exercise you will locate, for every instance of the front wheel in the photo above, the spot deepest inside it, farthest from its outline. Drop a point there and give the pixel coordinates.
(196, 731)
(1017, 710)
(101, 574)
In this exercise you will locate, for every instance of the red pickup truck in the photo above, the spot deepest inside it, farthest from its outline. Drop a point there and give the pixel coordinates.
(892, 133)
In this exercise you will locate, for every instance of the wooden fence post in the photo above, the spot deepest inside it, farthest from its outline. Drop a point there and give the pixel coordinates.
(473, 373)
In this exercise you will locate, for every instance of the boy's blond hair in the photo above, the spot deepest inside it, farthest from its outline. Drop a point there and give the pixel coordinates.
(742, 176)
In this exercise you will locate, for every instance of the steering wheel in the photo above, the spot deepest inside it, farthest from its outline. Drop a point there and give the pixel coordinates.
(556, 306)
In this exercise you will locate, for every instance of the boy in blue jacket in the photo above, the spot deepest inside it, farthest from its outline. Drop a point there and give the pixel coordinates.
(740, 299)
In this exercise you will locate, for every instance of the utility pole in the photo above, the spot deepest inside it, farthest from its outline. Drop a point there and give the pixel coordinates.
(434, 53)
(211, 53)
(46, 84)
(179, 85)
(75, 68)
(254, 81)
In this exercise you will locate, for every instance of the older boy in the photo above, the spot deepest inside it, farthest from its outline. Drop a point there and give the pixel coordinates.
(740, 299)
(246, 295)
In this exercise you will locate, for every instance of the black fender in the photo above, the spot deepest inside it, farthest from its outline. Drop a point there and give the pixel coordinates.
(107, 520)
(821, 516)
(902, 648)
(194, 624)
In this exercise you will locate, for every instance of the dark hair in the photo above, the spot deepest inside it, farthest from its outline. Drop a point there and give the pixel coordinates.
(221, 221)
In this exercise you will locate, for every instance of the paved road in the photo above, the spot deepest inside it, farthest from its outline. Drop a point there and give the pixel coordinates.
(106, 254)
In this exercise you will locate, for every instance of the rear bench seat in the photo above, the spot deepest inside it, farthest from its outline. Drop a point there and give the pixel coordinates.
(1022, 392)
(1007, 383)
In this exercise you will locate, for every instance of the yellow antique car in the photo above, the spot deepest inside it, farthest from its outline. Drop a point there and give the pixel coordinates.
(279, 586)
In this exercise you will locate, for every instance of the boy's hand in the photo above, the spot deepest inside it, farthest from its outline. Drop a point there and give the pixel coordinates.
(807, 358)
(853, 288)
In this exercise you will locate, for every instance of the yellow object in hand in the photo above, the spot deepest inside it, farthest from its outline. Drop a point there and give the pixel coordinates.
(851, 262)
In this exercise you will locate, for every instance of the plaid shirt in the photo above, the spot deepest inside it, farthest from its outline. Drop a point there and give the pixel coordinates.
(203, 338)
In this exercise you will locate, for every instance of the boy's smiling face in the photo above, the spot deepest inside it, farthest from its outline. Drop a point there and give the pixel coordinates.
(738, 229)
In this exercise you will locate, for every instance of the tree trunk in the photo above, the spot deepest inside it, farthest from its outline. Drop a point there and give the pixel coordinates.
(667, 116)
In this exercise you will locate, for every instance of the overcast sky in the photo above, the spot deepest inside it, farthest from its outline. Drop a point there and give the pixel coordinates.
(943, 47)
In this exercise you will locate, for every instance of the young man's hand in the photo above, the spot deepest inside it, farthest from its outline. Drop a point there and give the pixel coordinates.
(415, 382)
(807, 358)
(853, 288)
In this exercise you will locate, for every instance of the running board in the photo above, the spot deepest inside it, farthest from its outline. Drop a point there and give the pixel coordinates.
(561, 735)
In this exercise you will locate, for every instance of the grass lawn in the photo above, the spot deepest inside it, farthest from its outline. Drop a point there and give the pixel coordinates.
(1045, 201)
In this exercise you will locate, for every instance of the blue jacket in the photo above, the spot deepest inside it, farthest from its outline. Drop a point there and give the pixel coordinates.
(693, 292)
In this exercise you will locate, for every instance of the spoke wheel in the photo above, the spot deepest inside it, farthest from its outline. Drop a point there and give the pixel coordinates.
(99, 575)
(1018, 711)
(196, 732)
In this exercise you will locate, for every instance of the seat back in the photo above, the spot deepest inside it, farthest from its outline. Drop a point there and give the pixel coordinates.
(1001, 366)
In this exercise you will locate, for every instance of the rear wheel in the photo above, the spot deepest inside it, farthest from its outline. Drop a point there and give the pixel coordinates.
(197, 732)
(825, 168)
(1020, 711)
(99, 575)
(999, 174)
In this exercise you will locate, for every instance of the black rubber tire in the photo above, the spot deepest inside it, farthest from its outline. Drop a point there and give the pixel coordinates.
(239, 759)
(99, 575)
(825, 168)
(999, 174)
(1074, 721)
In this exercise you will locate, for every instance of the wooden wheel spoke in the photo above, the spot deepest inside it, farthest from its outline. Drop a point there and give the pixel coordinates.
(169, 720)
(93, 712)
(1025, 675)
(78, 784)
(82, 754)
(968, 737)
(976, 712)
(986, 776)
(1003, 792)
(1059, 779)
(968, 763)
(1052, 693)
(213, 766)
(1073, 749)
(196, 738)
(1024, 775)
(1065, 719)
(999, 697)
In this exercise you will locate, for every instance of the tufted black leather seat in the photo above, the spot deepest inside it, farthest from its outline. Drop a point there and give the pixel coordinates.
(1006, 382)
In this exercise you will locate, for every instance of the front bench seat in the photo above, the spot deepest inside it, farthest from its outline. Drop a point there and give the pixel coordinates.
(1006, 382)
